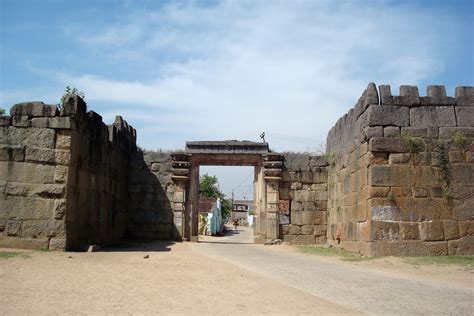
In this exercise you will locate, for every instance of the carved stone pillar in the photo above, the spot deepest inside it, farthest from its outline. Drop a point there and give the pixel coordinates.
(272, 166)
(180, 164)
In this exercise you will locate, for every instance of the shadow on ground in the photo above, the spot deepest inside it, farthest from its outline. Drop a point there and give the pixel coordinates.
(139, 246)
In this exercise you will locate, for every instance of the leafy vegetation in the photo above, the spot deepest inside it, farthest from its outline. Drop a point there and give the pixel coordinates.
(442, 163)
(330, 159)
(467, 261)
(412, 143)
(70, 91)
(332, 252)
(209, 188)
(9, 254)
(460, 140)
(391, 197)
(2, 111)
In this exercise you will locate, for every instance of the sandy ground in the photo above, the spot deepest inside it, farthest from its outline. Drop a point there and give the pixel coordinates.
(226, 275)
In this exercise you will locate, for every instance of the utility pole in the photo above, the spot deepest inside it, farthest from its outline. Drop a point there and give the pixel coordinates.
(233, 212)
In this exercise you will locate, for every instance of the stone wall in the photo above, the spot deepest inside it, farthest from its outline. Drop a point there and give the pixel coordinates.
(401, 173)
(303, 190)
(63, 176)
(151, 191)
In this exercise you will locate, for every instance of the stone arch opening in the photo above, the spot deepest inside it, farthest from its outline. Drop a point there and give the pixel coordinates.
(267, 174)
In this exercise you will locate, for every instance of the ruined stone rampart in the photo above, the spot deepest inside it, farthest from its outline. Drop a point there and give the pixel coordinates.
(303, 192)
(63, 174)
(151, 195)
(401, 173)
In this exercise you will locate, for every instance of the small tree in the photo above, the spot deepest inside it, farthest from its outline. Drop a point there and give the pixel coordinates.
(2, 111)
(70, 91)
(209, 188)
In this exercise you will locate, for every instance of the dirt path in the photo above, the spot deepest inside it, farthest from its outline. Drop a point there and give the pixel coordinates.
(381, 286)
(178, 281)
(224, 275)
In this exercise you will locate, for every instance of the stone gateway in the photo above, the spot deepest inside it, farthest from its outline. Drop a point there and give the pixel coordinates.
(397, 179)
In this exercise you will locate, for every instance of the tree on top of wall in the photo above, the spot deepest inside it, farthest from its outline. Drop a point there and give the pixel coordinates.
(70, 91)
(2, 111)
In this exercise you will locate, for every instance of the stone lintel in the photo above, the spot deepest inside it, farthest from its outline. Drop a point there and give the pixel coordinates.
(226, 147)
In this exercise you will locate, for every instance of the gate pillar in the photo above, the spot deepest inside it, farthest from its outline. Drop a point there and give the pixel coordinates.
(272, 166)
(180, 164)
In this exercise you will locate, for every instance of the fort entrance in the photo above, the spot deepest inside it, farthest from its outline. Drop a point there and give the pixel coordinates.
(267, 175)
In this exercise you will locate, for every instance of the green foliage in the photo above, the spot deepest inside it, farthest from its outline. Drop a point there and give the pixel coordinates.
(9, 254)
(333, 252)
(412, 143)
(226, 208)
(70, 91)
(208, 187)
(442, 163)
(330, 159)
(2, 111)
(460, 140)
(391, 197)
(466, 261)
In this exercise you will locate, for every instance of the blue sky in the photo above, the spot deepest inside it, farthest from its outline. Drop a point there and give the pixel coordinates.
(197, 70)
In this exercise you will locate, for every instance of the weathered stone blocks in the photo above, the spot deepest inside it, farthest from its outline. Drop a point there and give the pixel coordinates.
(33, 109)
(431, 231)
(464, 96)
(432, 116)
(379, 115)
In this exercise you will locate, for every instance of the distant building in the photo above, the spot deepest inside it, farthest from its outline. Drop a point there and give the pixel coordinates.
(242, 209)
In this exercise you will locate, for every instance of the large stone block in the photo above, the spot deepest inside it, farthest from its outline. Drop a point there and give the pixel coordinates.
(431, 231)
(425, 116)
(409, 231)
(300, 239)
(294, 229)
(465, 116)
(43, 228)
(307, 229)
(26, 208)
(383, 230)
(26, 172)
(5, 121)
(408, 248)
(33, 109)
(408, 96)
(379, 115)
(13, 227)
(448, 132)
(451, 229)
(57, 244)
(34, 189)
(389, 175)
(24, 243)
(464, 96)
(73, 106)
(386, 144)
(12, 153)
(34, 137)
(21, 121)
(58, 156)
(461, 247)
(374, 131)
(437, 95)
(466, 228)
(60, 174)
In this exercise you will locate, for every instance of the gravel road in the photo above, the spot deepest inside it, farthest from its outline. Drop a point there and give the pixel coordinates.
(348, 284)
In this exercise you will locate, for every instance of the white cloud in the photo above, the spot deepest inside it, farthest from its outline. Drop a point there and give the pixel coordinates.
(235, 69)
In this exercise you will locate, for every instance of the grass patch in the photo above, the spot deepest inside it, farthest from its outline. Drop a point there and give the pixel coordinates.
(332, 252)
(465, 261)
(9, 254)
